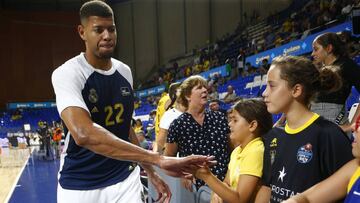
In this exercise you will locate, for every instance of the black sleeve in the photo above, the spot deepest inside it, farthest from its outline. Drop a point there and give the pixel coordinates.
(352, 73)
(335, 149)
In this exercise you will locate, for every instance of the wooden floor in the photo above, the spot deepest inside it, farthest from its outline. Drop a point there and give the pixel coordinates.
(12, 163)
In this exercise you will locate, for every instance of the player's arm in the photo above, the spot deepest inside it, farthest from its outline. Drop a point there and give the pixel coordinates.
(92, 136)
(329, 190)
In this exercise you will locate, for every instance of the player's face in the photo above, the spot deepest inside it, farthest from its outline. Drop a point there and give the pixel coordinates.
(198, 96)
(277, 94)
(356, 143)
(239, 127)
(319, 53)
(99, 34)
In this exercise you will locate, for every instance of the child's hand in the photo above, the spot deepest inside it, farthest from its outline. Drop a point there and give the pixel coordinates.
(202, 172)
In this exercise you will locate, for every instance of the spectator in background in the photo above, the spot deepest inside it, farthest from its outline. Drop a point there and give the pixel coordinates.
(240, 62)
(57, 136)
(269, 39)
(278, 40)
(352, 43)
(172, 112)
(331, 52)
(264, 67)
(138, 125)
(163, 104)
(230, 95)
(144, 143)
(213, 93)
(214, 105)
(150, 129)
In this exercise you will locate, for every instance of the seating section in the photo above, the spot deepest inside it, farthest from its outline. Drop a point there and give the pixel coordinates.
(12, 124)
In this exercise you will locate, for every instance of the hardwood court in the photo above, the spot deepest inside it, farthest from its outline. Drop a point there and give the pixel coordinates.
(12, 163)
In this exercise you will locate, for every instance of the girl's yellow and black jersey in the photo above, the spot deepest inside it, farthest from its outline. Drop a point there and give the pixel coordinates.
(296, 159)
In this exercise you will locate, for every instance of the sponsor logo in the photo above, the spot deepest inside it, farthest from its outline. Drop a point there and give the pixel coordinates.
(291, 50)
(94, 110)
(304, 154)
(279, 191)
(273, 142)
(282, 174)
(125, 91)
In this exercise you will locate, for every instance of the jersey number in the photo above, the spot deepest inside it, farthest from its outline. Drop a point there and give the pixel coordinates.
(109, 110)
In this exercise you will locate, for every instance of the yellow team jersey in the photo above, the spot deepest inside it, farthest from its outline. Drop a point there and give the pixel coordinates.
(160, 110)
(246, 161)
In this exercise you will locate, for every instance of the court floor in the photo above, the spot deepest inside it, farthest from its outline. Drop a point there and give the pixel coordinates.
(37, 181)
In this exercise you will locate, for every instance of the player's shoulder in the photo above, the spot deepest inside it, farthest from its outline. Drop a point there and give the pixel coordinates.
(119, 65)
(70, 67)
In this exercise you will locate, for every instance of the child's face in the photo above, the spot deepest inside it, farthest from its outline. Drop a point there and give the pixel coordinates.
(356, 143)
(239, 127)
(277, 94)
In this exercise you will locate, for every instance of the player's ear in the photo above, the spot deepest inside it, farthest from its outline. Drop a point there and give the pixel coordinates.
(81, 31)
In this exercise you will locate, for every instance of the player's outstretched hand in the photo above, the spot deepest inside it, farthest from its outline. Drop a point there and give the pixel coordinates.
(181, 167)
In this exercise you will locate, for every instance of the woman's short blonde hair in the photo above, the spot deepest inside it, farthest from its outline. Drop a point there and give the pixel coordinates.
(187, 85)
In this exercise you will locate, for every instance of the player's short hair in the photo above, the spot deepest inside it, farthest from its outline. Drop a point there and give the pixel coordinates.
(95, 8)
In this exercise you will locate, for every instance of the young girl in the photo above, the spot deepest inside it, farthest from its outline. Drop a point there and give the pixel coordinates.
(310, 148)
(346, 181)
(249, 120)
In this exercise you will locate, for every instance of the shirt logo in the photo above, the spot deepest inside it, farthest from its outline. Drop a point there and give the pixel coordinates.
(273, 143)
(305, 154)
(125, 91)
(282, 174)
(93, 97)
(94, 110)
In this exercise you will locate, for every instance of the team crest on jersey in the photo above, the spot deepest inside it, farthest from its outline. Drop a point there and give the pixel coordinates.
(93, 97)
(125, 91)
(305, 154)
